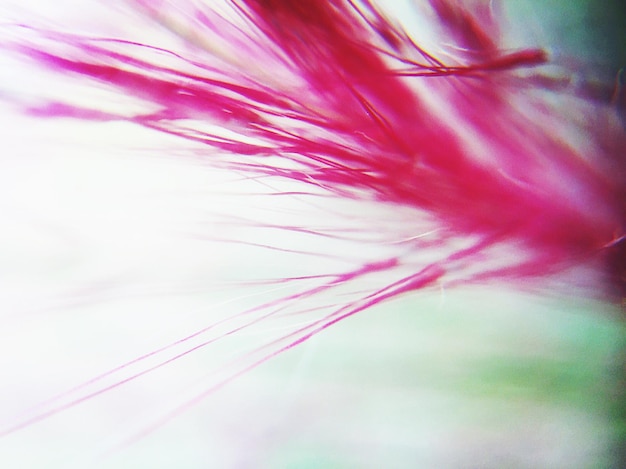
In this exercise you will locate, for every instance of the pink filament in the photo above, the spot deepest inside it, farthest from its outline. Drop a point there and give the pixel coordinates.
(348, 99)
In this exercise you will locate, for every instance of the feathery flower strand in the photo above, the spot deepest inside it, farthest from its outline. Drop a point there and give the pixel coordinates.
(352, 157)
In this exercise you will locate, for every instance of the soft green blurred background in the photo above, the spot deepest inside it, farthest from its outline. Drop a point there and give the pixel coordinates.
(594, 30)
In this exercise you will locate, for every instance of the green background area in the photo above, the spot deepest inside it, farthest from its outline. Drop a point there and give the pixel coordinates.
(594, 30)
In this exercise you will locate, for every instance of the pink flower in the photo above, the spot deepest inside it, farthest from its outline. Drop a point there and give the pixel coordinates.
(333, 156)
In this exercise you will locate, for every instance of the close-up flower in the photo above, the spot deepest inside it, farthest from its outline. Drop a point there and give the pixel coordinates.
(302, 233)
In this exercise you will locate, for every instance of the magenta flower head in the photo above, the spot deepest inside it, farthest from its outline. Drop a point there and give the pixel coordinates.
(199, 194)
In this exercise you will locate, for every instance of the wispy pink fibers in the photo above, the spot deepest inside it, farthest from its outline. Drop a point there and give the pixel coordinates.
(515, 171)
(354, 105)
